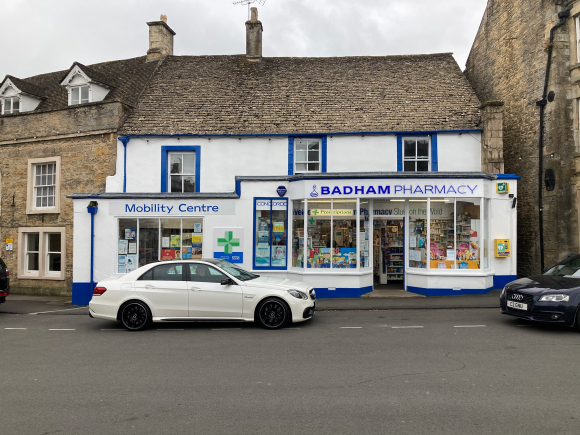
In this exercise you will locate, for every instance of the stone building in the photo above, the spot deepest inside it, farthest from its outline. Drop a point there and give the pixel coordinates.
(516, 41)
(58, 135)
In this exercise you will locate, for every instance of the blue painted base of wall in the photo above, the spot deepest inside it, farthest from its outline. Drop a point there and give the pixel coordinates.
(499, 281)
(82, 293)
(448, 291)
(324, 293)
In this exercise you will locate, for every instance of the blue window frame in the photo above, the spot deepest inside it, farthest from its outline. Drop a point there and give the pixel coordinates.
(270, 234)
(303, 157)
(415, 159)
(165, 151)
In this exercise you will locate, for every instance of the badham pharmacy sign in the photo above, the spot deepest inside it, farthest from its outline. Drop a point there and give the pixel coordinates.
(394, 189)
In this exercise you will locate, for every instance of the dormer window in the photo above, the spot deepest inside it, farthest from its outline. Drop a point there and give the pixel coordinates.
(10, 106)
(79, 95)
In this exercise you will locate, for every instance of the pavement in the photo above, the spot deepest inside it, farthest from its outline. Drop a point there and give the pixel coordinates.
(26, 304)
(411, 372)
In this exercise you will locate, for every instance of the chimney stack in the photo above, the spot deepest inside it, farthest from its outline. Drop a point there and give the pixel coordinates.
(160, 39)
(254, 31)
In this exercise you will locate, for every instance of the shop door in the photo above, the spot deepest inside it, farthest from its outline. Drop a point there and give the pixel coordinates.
(208, 297)
(388, 252)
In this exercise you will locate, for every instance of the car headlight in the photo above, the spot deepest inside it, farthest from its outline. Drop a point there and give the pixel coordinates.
(555, 298)
(503, 291)
(297, 294)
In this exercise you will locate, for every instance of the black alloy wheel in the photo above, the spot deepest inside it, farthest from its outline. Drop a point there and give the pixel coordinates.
(135, 316)
(273, 313)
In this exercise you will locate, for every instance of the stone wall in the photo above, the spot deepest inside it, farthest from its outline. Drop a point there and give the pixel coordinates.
(508, 63)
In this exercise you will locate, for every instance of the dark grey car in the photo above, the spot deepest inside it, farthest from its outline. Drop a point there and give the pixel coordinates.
(4, 282)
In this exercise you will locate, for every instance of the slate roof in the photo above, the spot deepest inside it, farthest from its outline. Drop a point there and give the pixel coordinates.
(126, 77)
(27, 88)
(94, 74)
(231, 95)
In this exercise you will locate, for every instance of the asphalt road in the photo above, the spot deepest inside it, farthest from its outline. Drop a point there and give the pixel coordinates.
(445, 372)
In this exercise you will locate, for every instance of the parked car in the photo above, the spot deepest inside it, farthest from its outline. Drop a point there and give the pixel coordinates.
(553, 297)
(4, 282)
(201, 290)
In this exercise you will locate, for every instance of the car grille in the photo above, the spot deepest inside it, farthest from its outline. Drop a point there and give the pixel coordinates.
(524, 298)
(312, 294)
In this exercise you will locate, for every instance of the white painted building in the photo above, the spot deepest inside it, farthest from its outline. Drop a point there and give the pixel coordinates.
(351, 174)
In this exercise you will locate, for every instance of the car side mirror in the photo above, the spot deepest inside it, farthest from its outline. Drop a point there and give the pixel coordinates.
(227, 281)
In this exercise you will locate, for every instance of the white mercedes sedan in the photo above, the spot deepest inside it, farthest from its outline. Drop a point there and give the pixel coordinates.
(201, 290)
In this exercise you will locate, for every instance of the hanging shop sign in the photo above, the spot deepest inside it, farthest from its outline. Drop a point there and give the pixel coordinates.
(171, 208)
(228, 244)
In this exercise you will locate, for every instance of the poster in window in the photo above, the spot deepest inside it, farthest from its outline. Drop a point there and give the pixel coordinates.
(278, 227)
(130, 233)
(187, 239)
(175, 241)
(197, 227)
(131, 263)
(165, 242)
(263, 237)
(132, 248)
(122, 260)
(177, 254)
(278, 256)
(263, 255)
(123, 244)
(197, 239)
(122, 269)
(167, 254)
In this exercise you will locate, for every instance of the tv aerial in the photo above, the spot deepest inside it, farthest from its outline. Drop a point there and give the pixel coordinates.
(249, 2)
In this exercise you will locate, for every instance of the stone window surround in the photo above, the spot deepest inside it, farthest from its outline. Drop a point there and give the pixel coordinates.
(41, 274)
(30, 205)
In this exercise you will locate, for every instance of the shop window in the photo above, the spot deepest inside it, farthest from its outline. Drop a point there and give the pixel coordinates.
(144, 241)
(318, 234)
(344, 234)
(270, 233)
(415, 155)
(365, 238)
(417, 234)
(442, 243)
(43, 193)
(79, 95)
(180, 166)
(297, 233)
(486, 225)
(307, 155)
(10, 106)
(42, 254)
(467, 234)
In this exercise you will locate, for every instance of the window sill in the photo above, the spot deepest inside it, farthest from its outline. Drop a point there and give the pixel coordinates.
(43, 211)
(45, 277)
(336, 271)
(449, 272)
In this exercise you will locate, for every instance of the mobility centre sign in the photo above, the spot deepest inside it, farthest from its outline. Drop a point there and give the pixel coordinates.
(171, 208)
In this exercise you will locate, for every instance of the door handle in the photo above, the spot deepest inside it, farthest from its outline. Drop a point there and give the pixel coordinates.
(195, 289)
(149, 286)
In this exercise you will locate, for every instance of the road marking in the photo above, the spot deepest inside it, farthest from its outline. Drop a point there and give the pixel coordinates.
(170, 329)
(406, 327)
(117, 329)
(470, 326)
(55, 311)
(351, 327)
(225, 329)
(14, 328)
(62, 329)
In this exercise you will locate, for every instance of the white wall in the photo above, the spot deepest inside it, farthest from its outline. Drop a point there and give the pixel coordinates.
(459, 152)
(28, 104)
(362, 154)
(97, 93)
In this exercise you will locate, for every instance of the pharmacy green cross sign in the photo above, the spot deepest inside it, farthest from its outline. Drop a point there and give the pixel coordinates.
(228, 242)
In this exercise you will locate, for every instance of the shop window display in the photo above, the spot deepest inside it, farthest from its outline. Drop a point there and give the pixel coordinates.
(148, 241)
(297, 233)
(170, 239)
(467, 234)
(344, 234)
(270, 237)
(418, 234)
(365, 235)
(318, 234)
(191, 238)
(442, 242)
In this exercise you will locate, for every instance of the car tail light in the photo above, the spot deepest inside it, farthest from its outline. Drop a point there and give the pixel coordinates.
(7, 274)
(3, 293)
(98, 291)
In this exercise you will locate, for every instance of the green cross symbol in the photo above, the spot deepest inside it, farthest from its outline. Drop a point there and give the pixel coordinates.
(228, 242)
(315, 212)
(311, 221)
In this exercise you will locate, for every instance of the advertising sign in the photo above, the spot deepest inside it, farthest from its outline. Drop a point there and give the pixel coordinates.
(152, 207)
(228, 244)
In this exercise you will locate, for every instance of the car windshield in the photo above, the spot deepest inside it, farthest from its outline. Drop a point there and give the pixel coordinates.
(568, 267)
(236, 272)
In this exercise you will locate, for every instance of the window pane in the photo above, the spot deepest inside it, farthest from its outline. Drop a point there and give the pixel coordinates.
(32, 263)
(54, 262)
(410, 148)
(422, 148)
(127, 245)
(168, 272)
(38, 198)
(176, 183)
(38, 170)
(148, 241)
(301, 156)
(417, 235)
(344, 234)
(313, 146)
(263, 228)
(422, 165)
(298, 233)
(313, 166)
(44, 201)
(189, 184)
(74, 95)
(15, 105)
(192, 238)
(300, 145)
(318, 235)
(467, 233)
(409, 166)
(189, 163)
(204, 273)
(32, 242)
(175, 165)
(301, 167)
(365, 235)
(8, 105)
(170, 239)
(441, 248)
(85, 94)
(54, 242)
(313, 156)
(147, 276)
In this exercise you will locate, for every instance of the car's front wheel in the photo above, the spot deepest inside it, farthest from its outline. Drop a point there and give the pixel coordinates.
(135, 316)
(273, 313)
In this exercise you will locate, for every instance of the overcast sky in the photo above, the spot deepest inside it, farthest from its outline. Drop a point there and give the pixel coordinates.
(40, 36)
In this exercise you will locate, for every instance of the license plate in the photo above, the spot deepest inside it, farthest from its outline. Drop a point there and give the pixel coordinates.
(517, 305)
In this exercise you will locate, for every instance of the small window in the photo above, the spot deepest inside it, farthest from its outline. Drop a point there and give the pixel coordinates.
(11, 106)
(53, 253)
(182, 172)
(168, 272)
(44, 185)
(204, 273)
(307, 155)
(43, 253)
(416, 155)
(79, 95)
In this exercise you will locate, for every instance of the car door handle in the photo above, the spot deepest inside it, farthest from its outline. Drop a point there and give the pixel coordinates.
(195, 288)
(149, 286)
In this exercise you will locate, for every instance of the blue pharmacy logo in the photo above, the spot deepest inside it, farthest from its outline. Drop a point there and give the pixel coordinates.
(281, 191)
(314, 193)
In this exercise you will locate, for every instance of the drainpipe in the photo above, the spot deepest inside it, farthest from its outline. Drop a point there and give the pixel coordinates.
(125, 140)
(542, 104)
(92, 208)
